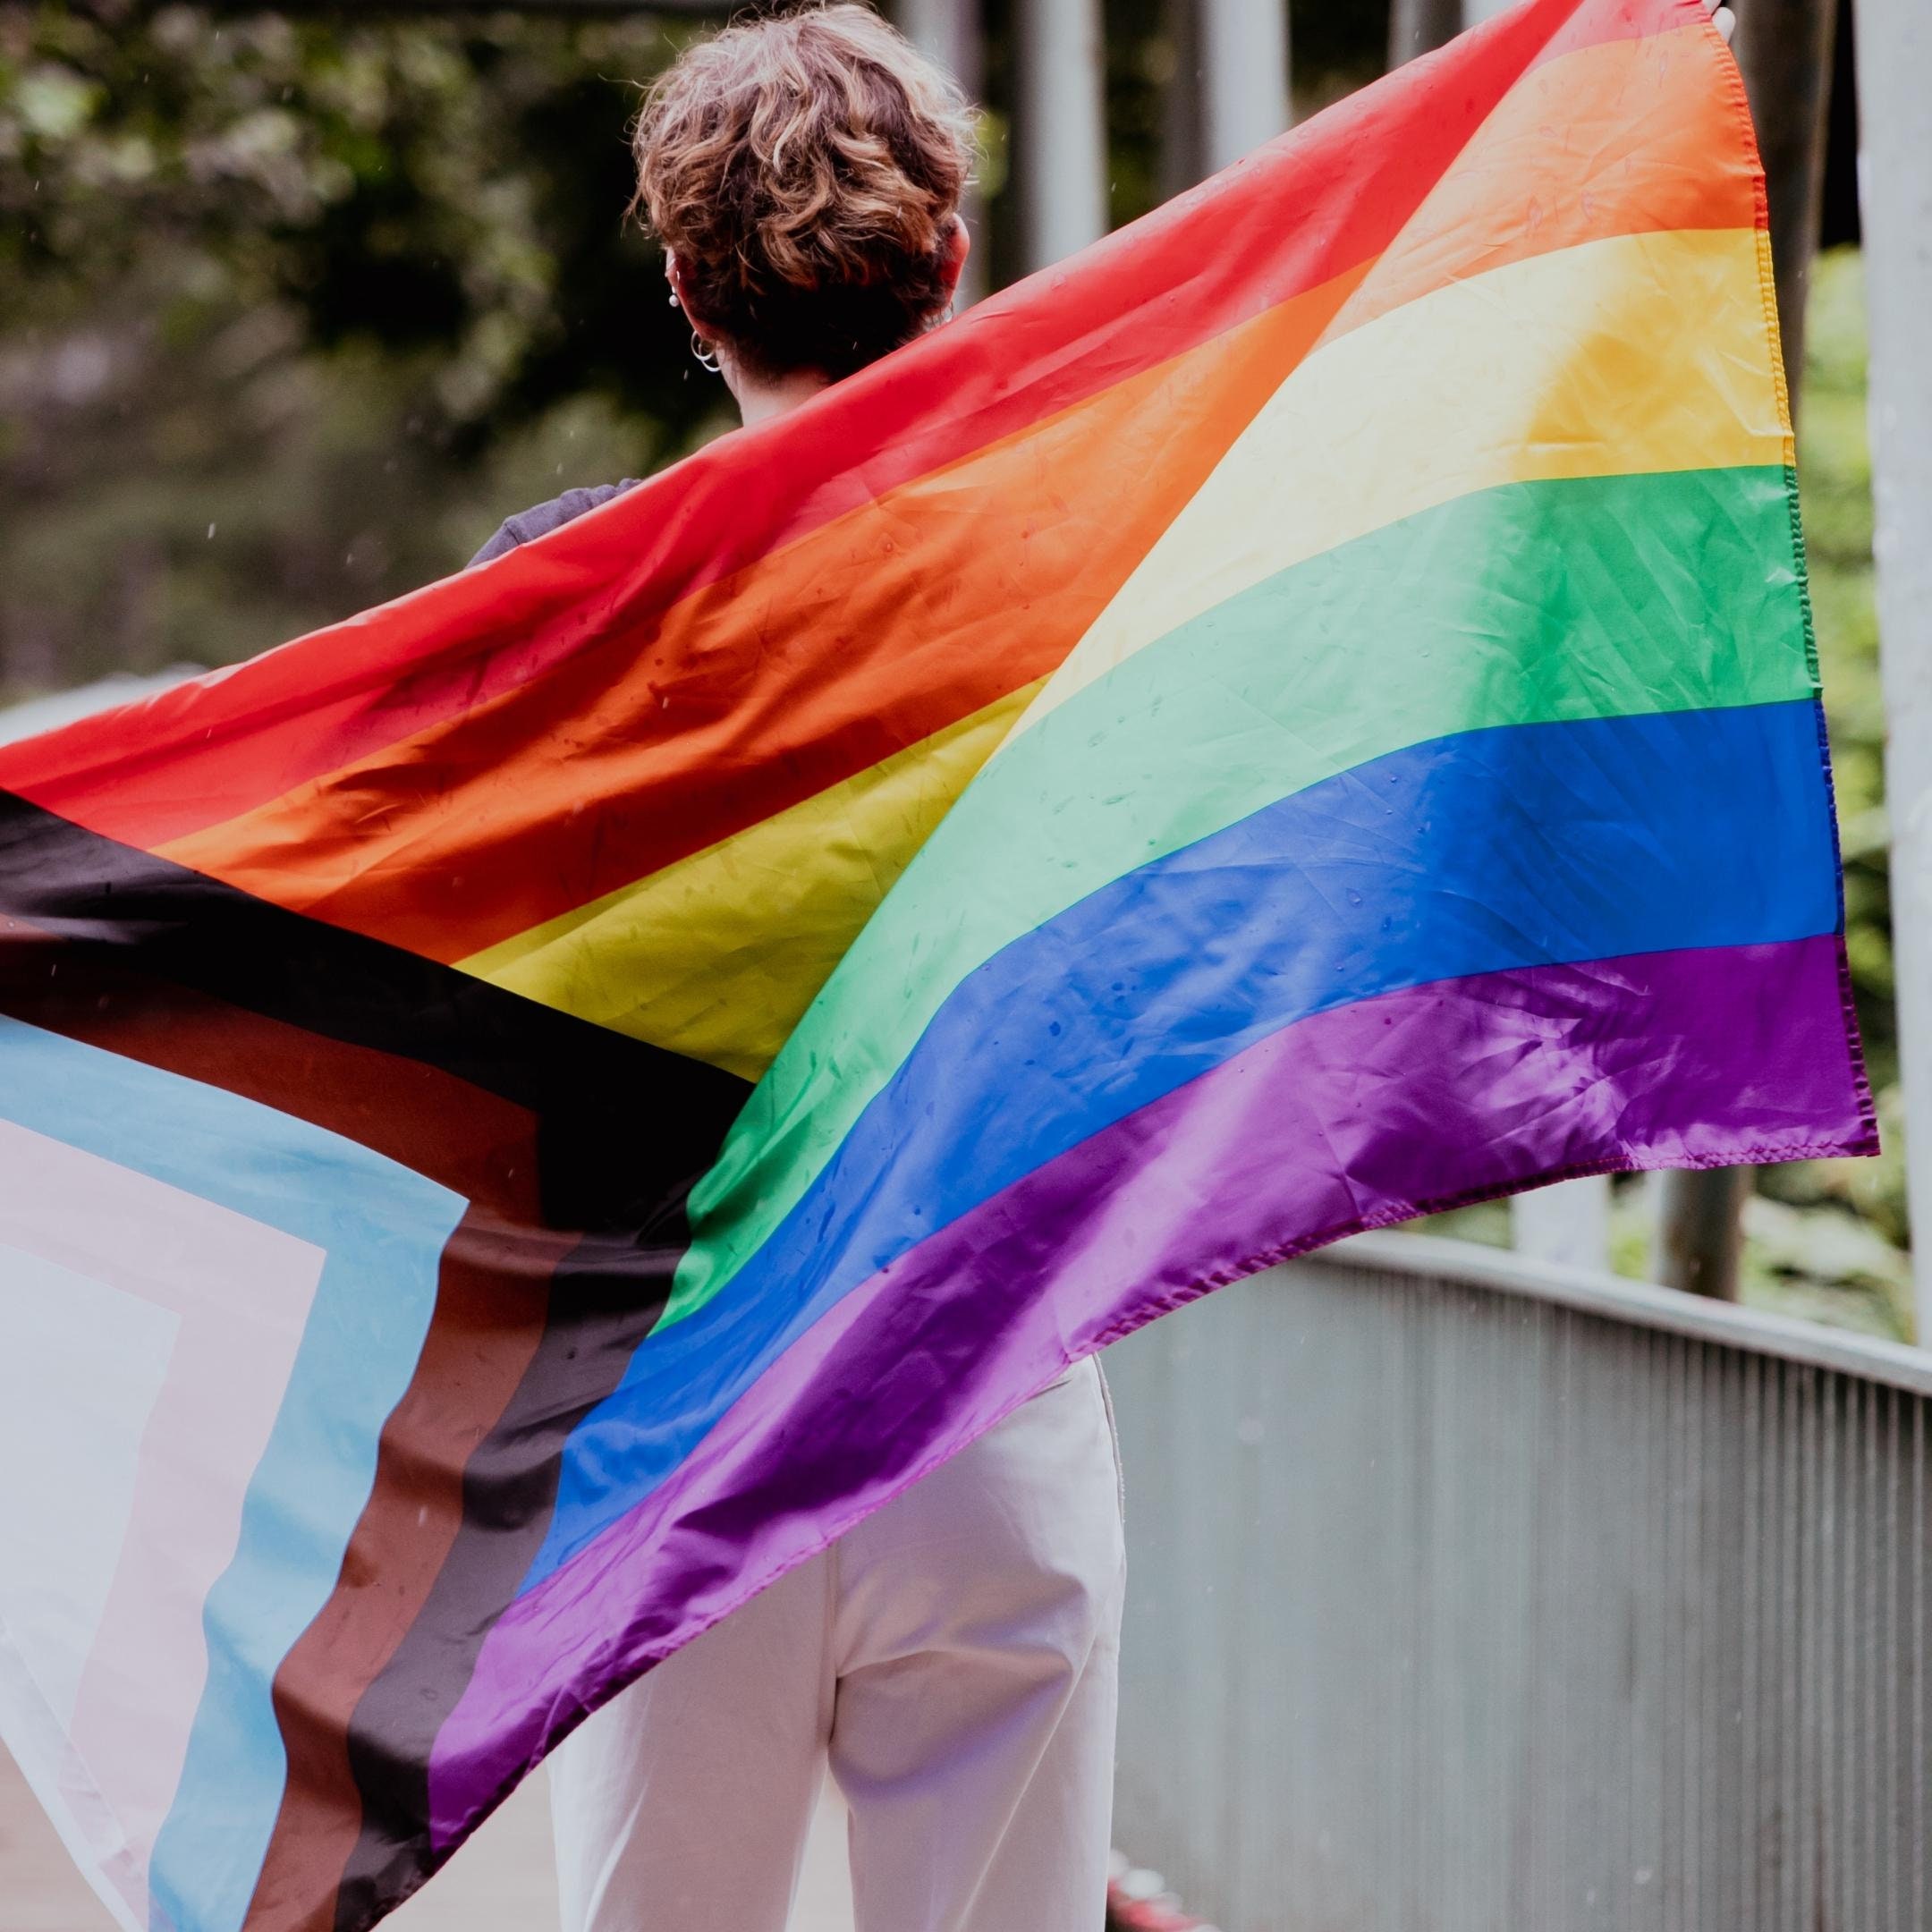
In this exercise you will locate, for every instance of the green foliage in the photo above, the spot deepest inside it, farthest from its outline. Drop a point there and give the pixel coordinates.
(293, 312)
(294, 309)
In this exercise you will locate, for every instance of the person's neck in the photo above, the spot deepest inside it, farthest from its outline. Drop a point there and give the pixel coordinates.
(759, 400)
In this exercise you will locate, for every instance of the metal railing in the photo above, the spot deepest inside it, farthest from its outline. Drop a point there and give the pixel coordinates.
(1473, 1596)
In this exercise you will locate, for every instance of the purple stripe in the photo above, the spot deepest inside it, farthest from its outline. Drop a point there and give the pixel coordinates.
(1350, 1119)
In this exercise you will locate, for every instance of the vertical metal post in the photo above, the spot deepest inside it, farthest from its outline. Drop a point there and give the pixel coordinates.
(1244, 77)
(946, 31)
(1568, 1222)
(1062, 127)
(950, 32)
(1894, 85)
(1419, 27)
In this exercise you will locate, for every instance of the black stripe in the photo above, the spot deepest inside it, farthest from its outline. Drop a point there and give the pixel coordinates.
(95, 934)
(509, 1493)
(626, 1126)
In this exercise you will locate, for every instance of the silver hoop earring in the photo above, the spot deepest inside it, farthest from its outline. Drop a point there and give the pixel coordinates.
(701, 349)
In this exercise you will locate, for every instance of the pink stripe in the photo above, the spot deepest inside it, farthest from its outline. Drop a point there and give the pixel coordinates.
(1351, 1118)
(243, 1292)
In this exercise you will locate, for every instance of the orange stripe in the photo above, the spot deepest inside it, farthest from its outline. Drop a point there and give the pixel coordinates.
(863, 639)
(1180, 276)
(1617, 136)
(890, 624)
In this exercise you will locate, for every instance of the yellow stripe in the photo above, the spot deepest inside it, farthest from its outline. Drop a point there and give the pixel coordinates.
(1613, 357)
(1617, 357)
(717, 955)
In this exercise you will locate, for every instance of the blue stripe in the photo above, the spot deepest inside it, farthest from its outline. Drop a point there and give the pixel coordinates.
(382, 1229)
(1516, 846)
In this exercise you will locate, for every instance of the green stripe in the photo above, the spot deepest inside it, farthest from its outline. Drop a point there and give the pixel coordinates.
(1527, 604)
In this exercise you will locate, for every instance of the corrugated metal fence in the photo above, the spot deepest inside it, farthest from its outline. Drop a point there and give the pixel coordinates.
(1470, 1597)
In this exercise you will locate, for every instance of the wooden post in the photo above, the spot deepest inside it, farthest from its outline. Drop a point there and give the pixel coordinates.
(1894, 85)
(1700, 1231)
(1062, 130)
(1180, 163)
(1784, 49)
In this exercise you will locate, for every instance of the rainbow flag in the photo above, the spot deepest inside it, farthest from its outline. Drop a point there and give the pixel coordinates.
(526, 1114)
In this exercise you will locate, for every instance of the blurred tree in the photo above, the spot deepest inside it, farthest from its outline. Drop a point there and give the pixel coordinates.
(292, 311)
(293, 306)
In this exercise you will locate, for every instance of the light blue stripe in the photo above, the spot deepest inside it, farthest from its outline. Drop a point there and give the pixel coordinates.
(383, 1229)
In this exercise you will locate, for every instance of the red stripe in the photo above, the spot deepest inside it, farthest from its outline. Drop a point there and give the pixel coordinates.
(210, 750)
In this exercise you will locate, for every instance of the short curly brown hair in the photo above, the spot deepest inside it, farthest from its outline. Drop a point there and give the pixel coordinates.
(805, 171)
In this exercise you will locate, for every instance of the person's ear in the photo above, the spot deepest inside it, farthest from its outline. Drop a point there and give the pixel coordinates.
(680, 294)
(958, 247)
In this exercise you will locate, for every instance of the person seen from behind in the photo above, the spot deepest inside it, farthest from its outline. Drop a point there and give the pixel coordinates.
(951, 1660)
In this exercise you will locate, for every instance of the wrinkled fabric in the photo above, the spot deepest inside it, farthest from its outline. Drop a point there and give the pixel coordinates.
(626, 1060)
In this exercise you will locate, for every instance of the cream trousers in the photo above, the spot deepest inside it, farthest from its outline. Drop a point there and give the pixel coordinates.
(953, 1659)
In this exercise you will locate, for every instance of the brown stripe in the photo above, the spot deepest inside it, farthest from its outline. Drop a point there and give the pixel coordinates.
(488, 1325)
(546, 1130)
(486, 1328)
(598, 1318)
(472, 1142)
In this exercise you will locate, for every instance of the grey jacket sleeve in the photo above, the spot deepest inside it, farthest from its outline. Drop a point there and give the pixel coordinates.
(529, 524)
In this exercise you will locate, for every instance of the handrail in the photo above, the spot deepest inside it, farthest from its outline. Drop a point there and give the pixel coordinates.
(1467, 1591)
(1667, 1310)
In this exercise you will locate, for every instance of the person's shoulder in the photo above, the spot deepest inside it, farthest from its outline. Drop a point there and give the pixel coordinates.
(541, 519)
